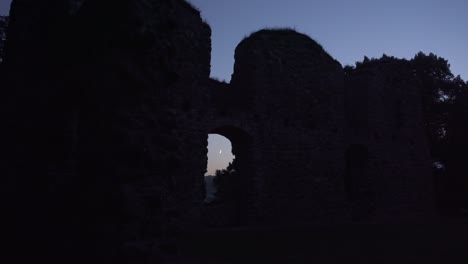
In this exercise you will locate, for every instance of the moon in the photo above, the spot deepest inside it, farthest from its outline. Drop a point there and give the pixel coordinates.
(220, 151)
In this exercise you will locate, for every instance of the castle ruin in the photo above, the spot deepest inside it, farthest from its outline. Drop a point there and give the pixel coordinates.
(108, 105)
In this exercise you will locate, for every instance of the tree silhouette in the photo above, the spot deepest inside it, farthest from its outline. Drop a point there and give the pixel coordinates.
(438, 95)
(227, 183)
(445, 114)
(444, 106)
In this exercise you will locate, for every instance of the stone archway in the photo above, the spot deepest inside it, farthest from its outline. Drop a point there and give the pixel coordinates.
(241, 140)
(236, 186)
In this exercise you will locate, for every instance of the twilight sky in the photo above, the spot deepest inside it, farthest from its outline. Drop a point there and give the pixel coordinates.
(219, 153)
(347, 29)
(4, 7)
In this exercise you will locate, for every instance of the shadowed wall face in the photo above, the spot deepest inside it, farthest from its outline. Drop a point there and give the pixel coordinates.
(99, 109)
(296, 91)
(384, 114)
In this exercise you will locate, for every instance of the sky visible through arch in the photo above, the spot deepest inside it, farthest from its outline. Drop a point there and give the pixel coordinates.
(348, 30)
(219, 153)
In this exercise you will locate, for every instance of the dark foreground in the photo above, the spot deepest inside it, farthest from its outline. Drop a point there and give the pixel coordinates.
(358, 243)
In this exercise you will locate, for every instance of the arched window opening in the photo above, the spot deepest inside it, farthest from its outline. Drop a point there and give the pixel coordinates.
(230, 192)
(220, 159)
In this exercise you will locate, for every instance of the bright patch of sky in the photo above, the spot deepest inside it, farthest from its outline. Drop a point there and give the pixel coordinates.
(219, 153)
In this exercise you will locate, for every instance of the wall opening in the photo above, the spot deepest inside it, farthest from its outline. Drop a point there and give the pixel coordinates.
(229, 192)
(220, 159)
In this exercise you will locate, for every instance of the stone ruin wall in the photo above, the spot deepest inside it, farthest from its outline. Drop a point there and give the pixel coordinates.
(297, 98)
(113, 128)
(384, 114)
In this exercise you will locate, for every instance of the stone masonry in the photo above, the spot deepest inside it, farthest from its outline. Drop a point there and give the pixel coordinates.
(107, 106)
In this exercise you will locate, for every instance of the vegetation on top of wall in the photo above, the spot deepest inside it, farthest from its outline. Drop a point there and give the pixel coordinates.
(275, 35)
(285, 30)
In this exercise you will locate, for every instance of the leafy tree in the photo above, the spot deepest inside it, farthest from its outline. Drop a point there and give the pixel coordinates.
(227, 183)
(445, 110)
(437, 88)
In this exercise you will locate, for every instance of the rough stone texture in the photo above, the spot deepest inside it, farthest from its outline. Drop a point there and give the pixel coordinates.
(384, 119)
(296, 92)
(107, 107)
(96, 140)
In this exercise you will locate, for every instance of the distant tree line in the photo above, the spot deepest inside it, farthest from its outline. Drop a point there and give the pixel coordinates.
(226, 182)
(445, 110)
